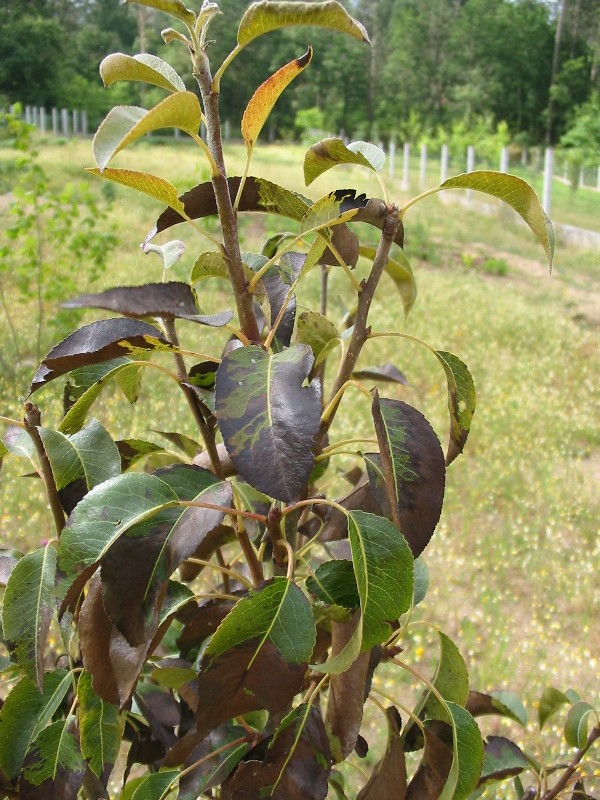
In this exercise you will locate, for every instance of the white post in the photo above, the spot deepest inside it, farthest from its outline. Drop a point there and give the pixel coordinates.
(547, 190)
(55, 122)
(84, 123)
(444, 164)
(75, 123)
(392, 157)
(524, 157)
(42, 113)
(36, 117)
(598, 180)
(470, 167)
(406, 166)
(176, 133)
(423, 166)
(64, 118)
(581, 178)
(28, 115)
(504, 159)
(227, 130)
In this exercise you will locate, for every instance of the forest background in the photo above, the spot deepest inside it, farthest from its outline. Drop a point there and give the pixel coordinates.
(436, 68)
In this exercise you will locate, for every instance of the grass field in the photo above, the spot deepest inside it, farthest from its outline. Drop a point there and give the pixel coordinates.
(514, 564)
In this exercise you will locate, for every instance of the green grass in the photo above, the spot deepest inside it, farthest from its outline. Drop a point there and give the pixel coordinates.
(515, 560)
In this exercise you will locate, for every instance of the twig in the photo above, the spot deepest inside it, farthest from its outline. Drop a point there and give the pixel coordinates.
(564, 779)
(231, 247)
(33, 420)
(361, 331)
(206, 431)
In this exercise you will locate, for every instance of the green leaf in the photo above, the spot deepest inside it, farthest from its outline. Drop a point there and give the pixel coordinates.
(400, 271)
(174, 8)
(328, 153)
(25, 713)
(511, 705)
(334, 583)
(451, 681)
(502, 704)
(54, 756)
(27, 610)
(514, 191)
(502, 759)
(271, 631)
(467, 757)
(143, 67)
(100, 727)
(550, 702)
(279, 613)
(106, 513)
(152, 787)
(268, 418)
(318, 333)
(101, 375)
(123, 125)
(264, 98)
(89, 454)
(461, 402)
(421, 580)
(267, 15)
(18, 442)
(383, 566)
(414, 473)
(143, 182)
(576, 724)
(325, 213)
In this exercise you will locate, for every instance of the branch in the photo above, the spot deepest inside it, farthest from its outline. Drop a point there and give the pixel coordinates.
(231, 246)
(564, 779)
(361, 331)
(207, 432)
(32, 420)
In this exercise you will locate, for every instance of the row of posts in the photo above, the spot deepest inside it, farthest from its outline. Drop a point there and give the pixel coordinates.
(60, 122)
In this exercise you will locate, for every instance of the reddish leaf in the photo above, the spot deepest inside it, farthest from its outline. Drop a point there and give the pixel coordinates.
(264, 98)
(387, 373)
(137, 567)
(432, 773)
(241, 680)
(95, 343)
(112, 663)
(502, 759)
(202, 623)
(346, 693)
(168, 300)
(388, 779)
(413, 467)
(295, 767)
(268, 418)
(262, 196)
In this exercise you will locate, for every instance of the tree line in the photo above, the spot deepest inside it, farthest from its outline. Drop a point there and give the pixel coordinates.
(531, 64)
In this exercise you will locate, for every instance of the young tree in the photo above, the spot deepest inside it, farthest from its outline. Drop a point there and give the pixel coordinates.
(226, 614)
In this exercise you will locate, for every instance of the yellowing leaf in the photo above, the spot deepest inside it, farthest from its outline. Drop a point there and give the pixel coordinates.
(266, 16)
(516, 193)
(125, 124)
(264, 98)
(175, 8)
(151, 185)
(143, 67)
